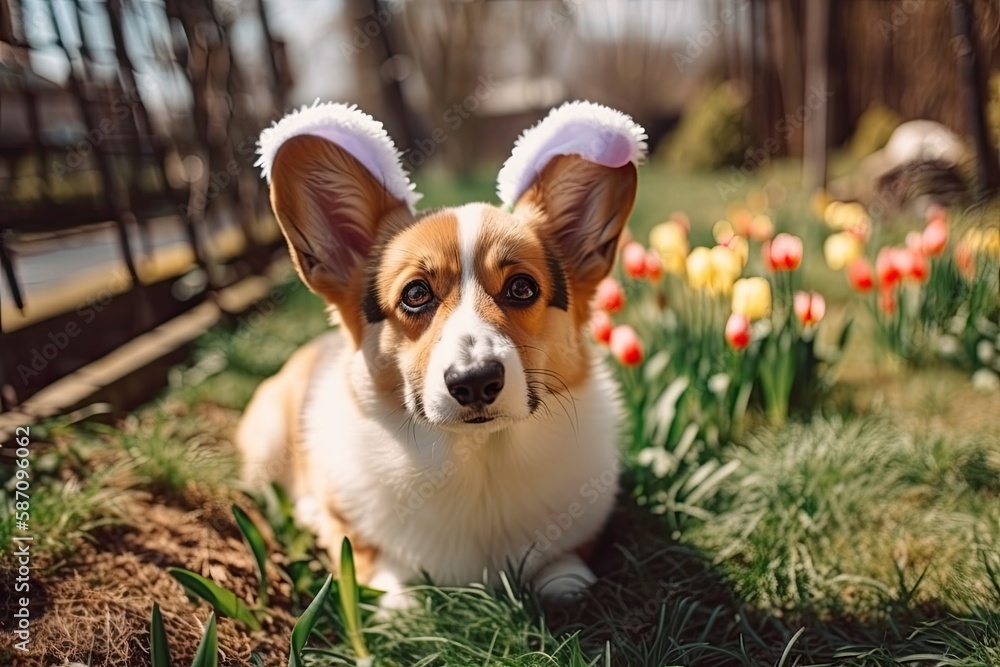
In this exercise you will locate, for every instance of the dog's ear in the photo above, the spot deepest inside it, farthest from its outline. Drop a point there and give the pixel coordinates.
(574, 176)
(337, 185)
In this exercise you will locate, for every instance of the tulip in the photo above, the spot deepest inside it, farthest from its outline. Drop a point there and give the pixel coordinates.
(887, 267)
(935, 237)
(738, 331)
(741, 217)
(903, 260)
(634, 260)
(919, 268)
(601, 326)
(625, 345)
(726, 268)
(761, 228)
(723, 231)
(809, 307)
(983, 241)
(670, 241)
(841, 249)
(741, 247)
(936, 214)
(681, 218)
(859, 275)
(846, 215)
(654, 267)
(965, 260)
(752, 298)
(783, 253)
(699, 268)
(609, 296)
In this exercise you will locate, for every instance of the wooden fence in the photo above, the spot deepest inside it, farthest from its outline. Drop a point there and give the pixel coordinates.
(140, 136)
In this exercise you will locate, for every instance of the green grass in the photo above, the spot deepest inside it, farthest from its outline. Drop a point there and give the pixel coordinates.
(65, 505)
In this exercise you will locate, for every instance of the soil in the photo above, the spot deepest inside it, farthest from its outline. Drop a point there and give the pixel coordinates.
(94, 609)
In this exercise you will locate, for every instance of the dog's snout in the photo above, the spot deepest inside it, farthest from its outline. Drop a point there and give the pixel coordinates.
(480, 384)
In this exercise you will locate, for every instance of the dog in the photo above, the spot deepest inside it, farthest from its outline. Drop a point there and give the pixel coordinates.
(458, 423)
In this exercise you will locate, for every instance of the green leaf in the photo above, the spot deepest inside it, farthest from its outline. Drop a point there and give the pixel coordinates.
(349, 600)
(256, 542)
(159, 649)
(304, 626)
(208, 649)
(845, 334)
(225, 602)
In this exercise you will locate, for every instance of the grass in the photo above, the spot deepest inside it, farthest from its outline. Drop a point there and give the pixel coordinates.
(866, 534)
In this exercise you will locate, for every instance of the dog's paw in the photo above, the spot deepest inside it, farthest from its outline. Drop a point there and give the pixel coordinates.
(564, 580)
(395, 597)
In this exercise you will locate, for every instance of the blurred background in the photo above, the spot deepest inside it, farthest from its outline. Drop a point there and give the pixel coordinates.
(129, 195)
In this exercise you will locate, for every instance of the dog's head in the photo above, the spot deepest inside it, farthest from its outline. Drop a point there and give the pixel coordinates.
(475, 313)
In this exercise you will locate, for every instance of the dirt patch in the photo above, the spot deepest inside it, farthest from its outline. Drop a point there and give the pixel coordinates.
(95, 608)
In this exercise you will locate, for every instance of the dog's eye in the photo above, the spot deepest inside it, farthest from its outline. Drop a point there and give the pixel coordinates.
(416, 295)
(521, 289)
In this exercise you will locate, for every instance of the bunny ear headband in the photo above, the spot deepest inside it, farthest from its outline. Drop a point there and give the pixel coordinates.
(595, 132)
(352, 130)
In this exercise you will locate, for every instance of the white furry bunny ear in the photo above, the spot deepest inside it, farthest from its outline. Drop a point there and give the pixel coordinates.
(337, 185)
(596, 133)
(573, 178)
(351, 129)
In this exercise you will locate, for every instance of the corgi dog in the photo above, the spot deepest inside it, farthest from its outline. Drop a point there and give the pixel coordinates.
(458, 423)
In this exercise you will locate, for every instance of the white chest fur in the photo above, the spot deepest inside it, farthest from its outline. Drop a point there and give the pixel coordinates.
(457, 504)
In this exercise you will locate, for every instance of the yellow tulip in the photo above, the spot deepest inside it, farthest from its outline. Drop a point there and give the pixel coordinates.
(752, 298)
(723, 231)
(741, 247)
(670, 241)
(847, 216)
(699, 268)
(726, 268)
(841, 249)
(761, 227)
(984, 241)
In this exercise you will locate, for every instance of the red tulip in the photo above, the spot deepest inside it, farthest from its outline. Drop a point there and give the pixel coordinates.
(609, 297)
(783, 253)
(601, 326)
(634, 260)
(809, 307)
(860, 276)
(936, 214)
(903, 260)
(935, 237)
(919, 268)
(625, 345)
(654, 266)
(738, 331)
(965, 260)
(887, 267)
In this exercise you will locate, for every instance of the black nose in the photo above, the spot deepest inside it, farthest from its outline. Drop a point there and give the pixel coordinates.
(479, 384)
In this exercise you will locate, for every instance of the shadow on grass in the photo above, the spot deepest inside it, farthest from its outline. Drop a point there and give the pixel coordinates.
(659, 602)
